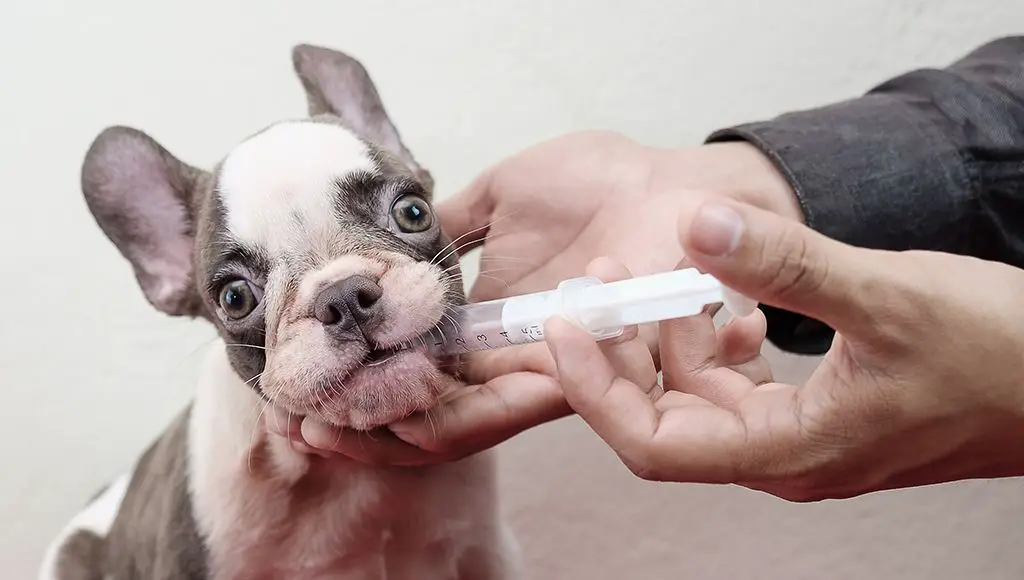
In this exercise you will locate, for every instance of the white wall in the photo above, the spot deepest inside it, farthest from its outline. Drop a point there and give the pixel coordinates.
(90, 372)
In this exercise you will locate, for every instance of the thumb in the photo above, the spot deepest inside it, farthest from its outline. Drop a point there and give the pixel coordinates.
(783, 263)
(466, 216)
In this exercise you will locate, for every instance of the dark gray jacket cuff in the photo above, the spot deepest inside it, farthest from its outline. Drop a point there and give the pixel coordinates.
(872, 172)
(931, 160)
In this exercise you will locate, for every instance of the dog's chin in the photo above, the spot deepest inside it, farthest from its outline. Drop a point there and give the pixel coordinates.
(384, 387)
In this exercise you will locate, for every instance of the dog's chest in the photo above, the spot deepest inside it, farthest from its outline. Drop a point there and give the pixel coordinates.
(269, 513)
(332, 527)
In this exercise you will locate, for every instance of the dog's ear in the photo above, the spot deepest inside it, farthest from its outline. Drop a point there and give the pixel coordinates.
(338, 84)
(141, 196)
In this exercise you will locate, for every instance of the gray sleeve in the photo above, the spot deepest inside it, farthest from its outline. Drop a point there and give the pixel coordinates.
(932, 159)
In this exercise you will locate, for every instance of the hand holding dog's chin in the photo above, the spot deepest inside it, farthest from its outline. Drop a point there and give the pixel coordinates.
(509, 391)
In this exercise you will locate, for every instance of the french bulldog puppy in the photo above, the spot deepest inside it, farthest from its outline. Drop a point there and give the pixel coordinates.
(313, 250)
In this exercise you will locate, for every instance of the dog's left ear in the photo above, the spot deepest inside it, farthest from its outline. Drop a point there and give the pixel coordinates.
(338, 84)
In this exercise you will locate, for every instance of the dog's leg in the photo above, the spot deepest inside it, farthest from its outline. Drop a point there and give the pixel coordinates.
(77, 552)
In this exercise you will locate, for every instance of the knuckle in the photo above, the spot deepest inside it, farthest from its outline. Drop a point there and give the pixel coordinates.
(801, 485)
(643, 471)
(802, 491)
(641, 465)
(791, 266)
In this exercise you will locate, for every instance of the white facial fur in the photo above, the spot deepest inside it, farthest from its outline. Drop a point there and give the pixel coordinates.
(278, 190)
(285, 171)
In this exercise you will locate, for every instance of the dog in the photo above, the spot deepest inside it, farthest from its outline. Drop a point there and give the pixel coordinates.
(313, 249)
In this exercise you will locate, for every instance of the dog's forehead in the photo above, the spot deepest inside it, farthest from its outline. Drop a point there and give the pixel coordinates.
(284, 180)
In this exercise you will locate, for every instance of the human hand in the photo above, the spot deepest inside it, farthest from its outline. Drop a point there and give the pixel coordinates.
(542, 215)
(923, 383)
(546, 212)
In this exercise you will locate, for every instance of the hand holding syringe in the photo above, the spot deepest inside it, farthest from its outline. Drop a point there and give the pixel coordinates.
(602, 309)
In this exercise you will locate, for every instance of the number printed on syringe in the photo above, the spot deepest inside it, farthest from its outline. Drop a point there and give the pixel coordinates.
(486, 341)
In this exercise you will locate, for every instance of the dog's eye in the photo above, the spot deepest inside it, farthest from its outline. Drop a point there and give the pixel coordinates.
(237, 299)
(412, 214)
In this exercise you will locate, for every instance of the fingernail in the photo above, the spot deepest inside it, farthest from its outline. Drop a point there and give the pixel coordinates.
(716, 229)
(404, 431)
(300, 447)
(318, 435)
(283, 423)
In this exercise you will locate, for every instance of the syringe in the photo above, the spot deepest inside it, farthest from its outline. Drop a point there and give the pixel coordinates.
(603, 309)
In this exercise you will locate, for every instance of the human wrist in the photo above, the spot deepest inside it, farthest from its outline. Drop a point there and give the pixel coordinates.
(737, 170)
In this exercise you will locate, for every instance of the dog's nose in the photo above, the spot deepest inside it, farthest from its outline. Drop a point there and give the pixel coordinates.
(348, 303)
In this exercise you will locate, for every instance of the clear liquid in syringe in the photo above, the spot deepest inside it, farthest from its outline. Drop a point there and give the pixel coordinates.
(480, 326)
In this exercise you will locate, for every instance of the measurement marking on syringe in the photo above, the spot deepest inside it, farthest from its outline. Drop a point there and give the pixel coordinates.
(487, 341)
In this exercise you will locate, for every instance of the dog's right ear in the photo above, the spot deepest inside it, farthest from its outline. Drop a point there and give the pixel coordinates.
(338, 84)
(142, 198)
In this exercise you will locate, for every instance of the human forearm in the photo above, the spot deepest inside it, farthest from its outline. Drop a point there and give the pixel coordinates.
(932, 159)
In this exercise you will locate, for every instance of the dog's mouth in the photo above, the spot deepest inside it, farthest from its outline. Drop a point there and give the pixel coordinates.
(383, 383)
(382, 354)
(378, 356)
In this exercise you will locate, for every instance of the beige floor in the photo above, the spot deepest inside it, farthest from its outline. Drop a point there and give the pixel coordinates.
(580, 515)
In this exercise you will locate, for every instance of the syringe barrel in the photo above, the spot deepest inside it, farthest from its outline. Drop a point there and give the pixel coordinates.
(516, 320)
(602, 309)
(482, 326)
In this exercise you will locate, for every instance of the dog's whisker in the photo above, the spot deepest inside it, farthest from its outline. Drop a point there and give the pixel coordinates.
(252, 437)
(456, 240)
(246, 346)
(484, 227)
(455, 323)
(490, 238)
(515, 259)
(430, 420)
(440, 332)
(461, 276)
(377, 363)
(201, 346)
(498, 280)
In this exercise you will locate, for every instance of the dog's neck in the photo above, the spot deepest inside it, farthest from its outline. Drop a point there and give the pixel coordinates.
(260, 505)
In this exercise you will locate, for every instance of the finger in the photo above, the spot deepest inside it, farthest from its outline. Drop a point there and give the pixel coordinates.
(631, 360)
(485, 415)
(701, 442)
(739, 348)
(379, 447)
(608, 270)
(619, 411)
(484, 366)
(281, 422)
(687, 348)
(628, 353)
(783, 263)
(741, 339)
(757, 372)
(690, 365)
(466, 216)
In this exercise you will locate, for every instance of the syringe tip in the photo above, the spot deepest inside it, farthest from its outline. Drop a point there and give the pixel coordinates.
(737, 304)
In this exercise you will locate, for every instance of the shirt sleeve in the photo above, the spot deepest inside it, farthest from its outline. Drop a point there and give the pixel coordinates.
(932, 159)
